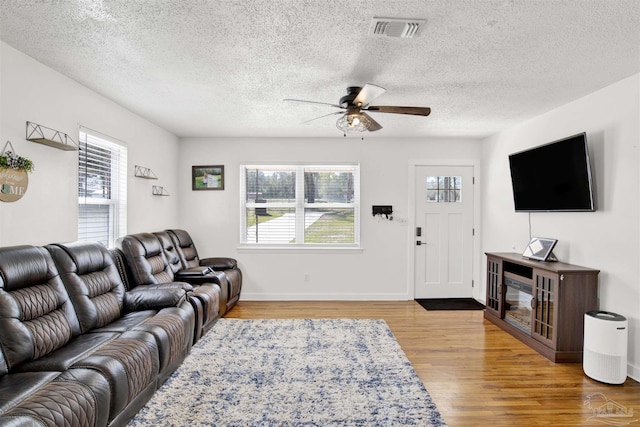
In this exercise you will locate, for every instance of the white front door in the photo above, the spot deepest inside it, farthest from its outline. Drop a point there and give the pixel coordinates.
(444, 221)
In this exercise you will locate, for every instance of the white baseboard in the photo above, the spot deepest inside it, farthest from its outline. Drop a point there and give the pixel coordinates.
(322, 297)
(633, 372)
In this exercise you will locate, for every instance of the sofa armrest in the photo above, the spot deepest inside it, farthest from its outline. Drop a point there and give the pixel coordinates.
(216, 277)
(153, 299)
(168, 285)
(220, 263)
(198, 271)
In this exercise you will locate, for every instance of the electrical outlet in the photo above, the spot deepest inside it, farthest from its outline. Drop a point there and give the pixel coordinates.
(307, 278)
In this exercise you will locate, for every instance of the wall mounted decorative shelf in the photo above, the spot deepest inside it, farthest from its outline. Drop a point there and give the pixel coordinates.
(157, 190)
(142, 172)
(51, 137)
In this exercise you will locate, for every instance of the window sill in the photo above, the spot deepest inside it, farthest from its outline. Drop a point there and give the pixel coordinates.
(300, 249)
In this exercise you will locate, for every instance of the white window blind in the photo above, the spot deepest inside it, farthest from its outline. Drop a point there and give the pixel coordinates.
(102, 188)
(300, 205)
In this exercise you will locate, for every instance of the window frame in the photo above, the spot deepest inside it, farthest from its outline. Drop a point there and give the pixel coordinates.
(300, 205)
(443, 193)
(116, 224)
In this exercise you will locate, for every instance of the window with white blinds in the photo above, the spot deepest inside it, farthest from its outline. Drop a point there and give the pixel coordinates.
(300, 205)
(102, 188)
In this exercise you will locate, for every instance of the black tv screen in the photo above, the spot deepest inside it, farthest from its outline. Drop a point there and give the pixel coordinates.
(553, 177)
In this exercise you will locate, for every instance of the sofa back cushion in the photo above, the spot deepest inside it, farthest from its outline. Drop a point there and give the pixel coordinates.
(185, 248)
(89, 273)
(36, 314)
(170, 251)
(146, 260)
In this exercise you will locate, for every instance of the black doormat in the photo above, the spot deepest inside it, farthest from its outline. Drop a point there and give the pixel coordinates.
(450, 304)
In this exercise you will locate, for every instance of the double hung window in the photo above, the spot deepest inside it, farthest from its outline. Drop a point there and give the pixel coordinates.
(102, 188)
(300, 205)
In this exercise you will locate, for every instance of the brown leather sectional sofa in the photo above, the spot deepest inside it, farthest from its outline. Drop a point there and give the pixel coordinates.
(88, 334)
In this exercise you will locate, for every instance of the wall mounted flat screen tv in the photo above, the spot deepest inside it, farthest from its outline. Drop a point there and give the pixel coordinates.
(553, 177)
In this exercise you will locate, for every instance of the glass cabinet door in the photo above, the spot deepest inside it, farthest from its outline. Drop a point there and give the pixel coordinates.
(494, 287)
(543, 304)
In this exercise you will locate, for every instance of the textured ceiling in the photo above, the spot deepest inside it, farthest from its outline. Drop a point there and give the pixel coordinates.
(222, 68)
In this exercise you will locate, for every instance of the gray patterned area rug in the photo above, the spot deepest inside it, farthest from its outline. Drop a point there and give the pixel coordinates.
(325, 372)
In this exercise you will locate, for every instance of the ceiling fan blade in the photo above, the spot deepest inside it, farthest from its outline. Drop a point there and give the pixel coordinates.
(311, 102)
(415, 111)
(330, 114)
(373, 126)
(367, 94)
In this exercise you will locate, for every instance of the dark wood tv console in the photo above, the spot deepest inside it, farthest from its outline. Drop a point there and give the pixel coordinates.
(541, 303)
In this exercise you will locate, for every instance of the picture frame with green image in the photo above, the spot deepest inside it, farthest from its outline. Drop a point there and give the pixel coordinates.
(210, 177)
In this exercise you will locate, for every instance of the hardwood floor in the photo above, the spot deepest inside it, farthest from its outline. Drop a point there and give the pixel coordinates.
(477, 374)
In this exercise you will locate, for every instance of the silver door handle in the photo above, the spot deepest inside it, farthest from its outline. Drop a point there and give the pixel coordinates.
(419, 243)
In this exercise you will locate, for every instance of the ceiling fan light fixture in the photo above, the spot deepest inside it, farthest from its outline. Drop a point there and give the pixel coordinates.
(354, 122)
(355, 106)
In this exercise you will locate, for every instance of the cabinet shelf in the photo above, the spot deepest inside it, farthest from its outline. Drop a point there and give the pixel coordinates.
(51, 137)
(541, 303)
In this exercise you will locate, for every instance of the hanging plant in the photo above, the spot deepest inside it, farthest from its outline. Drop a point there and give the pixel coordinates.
(14, 177)
(10, 160)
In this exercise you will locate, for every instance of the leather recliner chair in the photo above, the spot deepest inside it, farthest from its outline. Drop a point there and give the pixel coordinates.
(195, 275)
(53, 371)
(188, 255)
(102, 304)
(148, 266)
(77, 397)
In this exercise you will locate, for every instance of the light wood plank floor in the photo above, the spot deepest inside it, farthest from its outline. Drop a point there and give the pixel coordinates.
(477, 374)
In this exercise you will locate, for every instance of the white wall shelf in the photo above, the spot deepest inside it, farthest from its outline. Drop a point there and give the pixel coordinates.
(142, 172)
(157, 190)
(51, 137)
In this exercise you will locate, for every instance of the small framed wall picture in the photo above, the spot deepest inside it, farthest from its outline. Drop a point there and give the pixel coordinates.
(207, 177)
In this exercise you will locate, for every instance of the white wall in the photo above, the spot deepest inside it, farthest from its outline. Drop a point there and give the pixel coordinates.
(48, 211)
(378, 272)
(608, 239)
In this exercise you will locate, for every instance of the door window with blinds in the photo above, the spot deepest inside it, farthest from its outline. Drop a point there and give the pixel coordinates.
(102, 188)
(300, 205)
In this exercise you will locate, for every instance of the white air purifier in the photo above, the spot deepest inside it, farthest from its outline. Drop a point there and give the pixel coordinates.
(605, 347)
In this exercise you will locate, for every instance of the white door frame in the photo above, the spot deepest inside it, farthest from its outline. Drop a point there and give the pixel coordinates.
(411, 237)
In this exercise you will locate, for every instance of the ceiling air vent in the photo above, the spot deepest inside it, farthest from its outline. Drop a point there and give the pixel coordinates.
(392, 27)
